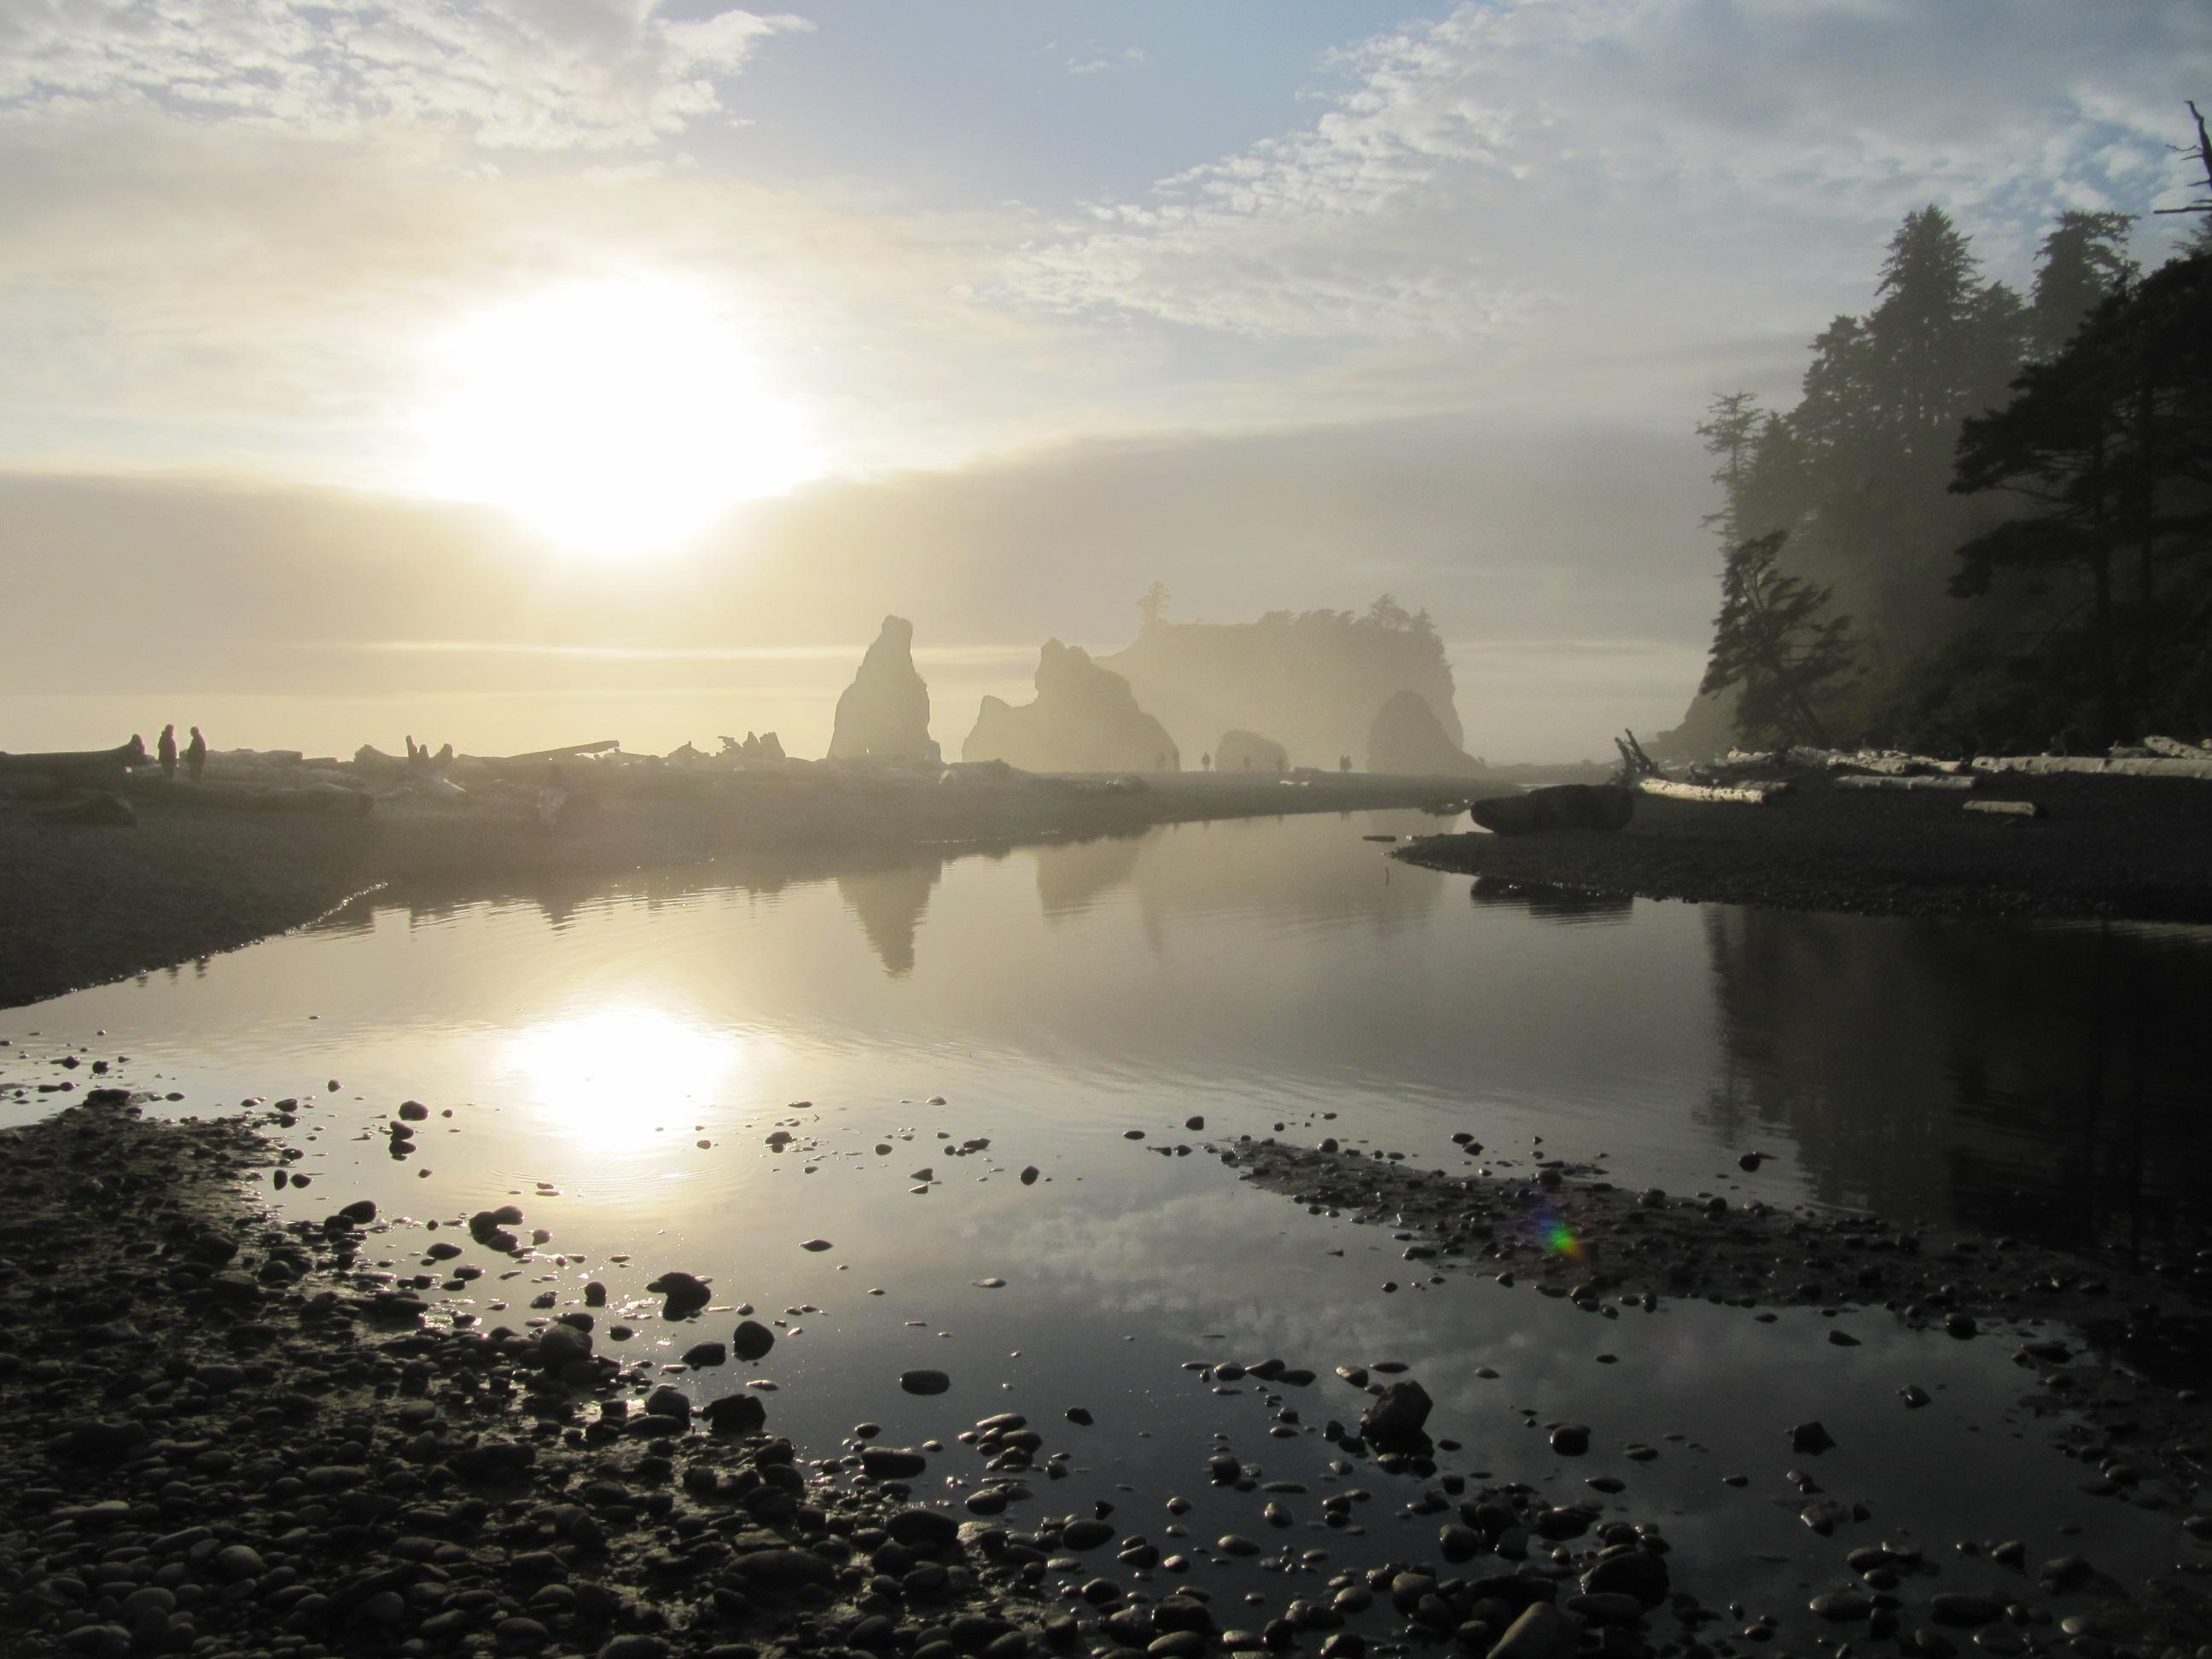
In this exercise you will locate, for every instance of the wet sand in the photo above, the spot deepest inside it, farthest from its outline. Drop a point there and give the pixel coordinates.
(81, 904)
(2123, 848)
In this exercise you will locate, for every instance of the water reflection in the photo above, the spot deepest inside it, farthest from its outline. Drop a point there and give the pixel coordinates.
(2030, 1083)
(2034, 1080)
(890, 904)
(604, 1075)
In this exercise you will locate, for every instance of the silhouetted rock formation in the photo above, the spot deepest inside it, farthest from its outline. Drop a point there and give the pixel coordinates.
(1248, 752)
(1311, 681)
(885, 714)
(1086, 719)
(1407, 736)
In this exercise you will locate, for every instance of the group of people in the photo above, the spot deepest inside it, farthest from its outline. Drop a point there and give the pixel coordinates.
(194, 753)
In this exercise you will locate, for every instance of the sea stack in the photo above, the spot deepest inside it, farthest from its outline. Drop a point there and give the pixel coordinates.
(1408, 739)
(1248, 752)
(1086, 719)
(885, 714)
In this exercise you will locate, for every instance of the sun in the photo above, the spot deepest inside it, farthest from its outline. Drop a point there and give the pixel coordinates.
(617, 417)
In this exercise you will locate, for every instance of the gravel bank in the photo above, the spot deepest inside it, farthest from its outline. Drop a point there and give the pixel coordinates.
(2130, 1377)
(2114, 847)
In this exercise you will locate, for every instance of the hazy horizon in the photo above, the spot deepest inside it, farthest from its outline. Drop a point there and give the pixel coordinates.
(703, 337)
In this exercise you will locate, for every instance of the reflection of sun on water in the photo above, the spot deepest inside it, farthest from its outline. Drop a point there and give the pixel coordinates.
(608, 1077)
(616, 417)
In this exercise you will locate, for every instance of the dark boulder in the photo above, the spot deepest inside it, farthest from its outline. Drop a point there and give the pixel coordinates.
(1603, 807)
(1394, 1420)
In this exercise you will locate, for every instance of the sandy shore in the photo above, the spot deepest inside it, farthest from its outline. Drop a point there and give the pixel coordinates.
(81, 904)
(2115, 846)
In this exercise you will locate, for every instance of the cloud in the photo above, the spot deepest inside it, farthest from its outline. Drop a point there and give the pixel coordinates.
(1520, 160)
(1096, 61)
(507, 75)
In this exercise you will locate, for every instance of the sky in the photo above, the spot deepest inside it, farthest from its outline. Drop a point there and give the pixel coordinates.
(521, 372)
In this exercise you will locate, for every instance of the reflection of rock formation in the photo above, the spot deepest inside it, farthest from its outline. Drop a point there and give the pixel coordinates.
(1407, 738)
(1311, 681)
(1086, 719)
(2039, 1084)
(1071, 878)
(1248, 752)
(890, 904)
(885, 714)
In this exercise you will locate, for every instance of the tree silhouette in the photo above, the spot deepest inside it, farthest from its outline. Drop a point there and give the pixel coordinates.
(2109, 446)
(2085, 263)
(1774, 641)
(1152, 607)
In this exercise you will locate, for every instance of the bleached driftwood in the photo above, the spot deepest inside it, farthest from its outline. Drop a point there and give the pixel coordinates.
(1744, 795)
(2016, 809)
(2174, 749)
(1894, 762)
(2094, 766)
(1895, 781)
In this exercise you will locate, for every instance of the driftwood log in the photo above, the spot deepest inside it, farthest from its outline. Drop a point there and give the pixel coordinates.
(1894, 780)
(2095, 766)
(1753, 794)
(2174, 749)
(87, 763)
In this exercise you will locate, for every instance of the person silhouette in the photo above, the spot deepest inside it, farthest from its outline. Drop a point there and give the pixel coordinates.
(166, 750)
(196, 753)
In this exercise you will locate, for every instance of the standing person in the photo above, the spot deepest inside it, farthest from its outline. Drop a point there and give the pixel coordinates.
(166, 750)
(196, 753)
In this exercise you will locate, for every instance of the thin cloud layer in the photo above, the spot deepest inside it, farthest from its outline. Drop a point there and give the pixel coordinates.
(517, 75)
(1503, 163)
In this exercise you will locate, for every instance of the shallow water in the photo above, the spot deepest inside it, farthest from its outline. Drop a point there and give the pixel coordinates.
(1262, 974)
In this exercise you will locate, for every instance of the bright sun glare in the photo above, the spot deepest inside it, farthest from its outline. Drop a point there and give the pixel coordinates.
(621, 1078)
(617, 417)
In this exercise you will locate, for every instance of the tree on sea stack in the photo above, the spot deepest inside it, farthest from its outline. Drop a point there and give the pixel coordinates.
(1775, 643)
(1152, 607)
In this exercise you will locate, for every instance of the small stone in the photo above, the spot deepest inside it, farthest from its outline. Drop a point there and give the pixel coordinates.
(924, 1381)
(1541, 1632)
(1811, 1439)
(239, 1561)
(1395, 1418)
(1957, 1608)
(893, 1463)
(752, 1340)
(1840, 1607)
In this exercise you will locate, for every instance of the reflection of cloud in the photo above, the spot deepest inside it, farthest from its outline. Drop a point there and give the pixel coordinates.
(597, 1076)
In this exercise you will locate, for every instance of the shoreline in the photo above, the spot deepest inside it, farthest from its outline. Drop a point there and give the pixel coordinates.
(2117, 848)
(226, 1435)
(82, 905)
